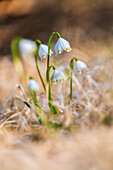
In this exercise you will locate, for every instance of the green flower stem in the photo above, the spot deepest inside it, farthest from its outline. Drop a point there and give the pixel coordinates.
(48, 68)
(32, 95)
(17, 62)
(71, 68)
(38, 70)
(49, 88)
(52, 66)
(38, 42)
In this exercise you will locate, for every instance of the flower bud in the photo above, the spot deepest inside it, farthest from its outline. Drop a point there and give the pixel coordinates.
(33, 85)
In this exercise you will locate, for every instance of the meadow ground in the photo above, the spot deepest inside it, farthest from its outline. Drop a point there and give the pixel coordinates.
(81, 136)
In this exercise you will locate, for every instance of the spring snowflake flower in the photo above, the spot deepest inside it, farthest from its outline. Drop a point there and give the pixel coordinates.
(61, 45)
(57, 76)
(80, 66)
(43, 51)
(33, 85)
(27, 48)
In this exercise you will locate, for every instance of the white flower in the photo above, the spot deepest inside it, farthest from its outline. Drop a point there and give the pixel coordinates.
(43, 51)
(57, 76)
(80, 66)
(33, 85)
(61, 45)
(27, 48)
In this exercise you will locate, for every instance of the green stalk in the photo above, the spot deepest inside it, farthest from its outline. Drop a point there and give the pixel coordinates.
(49, 94)
(52, 66)
(71, 68)
(38, 70)
(48, 67)
(33, 97)
(17, 62)
(38, 42)
(50, 101)
(32, 94)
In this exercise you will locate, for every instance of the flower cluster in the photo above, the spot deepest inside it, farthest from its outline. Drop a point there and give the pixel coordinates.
(28, 48)
(61, 45)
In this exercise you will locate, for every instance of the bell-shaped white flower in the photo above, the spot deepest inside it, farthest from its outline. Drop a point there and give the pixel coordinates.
(43, 51)
(27, 48)
(57, 76)
(33, 85)
(80, 66)
(61, 45)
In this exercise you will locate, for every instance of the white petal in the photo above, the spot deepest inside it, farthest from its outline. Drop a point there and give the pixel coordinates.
(44, 48)
(80, 66)
(43, 51)
(51, 52)
(57, 76)
(65, 45)
(58, 47)
(33, 85)
(61, 45)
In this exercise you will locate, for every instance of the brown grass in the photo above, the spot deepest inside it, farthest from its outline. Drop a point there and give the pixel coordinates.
(82, 138)
(88, 149)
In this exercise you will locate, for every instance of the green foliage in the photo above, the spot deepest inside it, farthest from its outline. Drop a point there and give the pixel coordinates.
(53, 110)
(71, 69)
(17, 62)
(108, 120)
(38, 70)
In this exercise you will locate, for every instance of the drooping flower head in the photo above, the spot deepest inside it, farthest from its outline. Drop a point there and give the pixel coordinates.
(43, 51)
(61, 45)
(27, 48)
(80, 66)
(33, 85)
(57, 76)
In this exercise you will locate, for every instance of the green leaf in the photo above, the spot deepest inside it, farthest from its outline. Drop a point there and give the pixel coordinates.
(27, 104)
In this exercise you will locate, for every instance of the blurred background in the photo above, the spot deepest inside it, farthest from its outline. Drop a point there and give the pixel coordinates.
(86, 24)
(78, 20)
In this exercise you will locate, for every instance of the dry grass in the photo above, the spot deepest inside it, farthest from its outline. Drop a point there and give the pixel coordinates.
(79, 137)
(88, 149)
